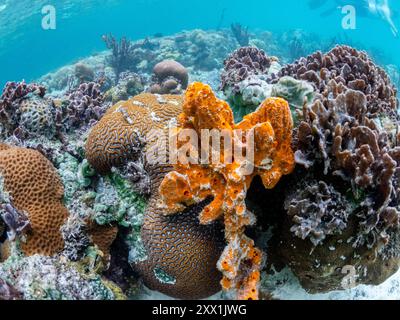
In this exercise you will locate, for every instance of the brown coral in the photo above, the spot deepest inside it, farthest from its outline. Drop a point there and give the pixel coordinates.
(119, 136)
(36, 189)
(170, 77)
(181, 254)
(227, 181)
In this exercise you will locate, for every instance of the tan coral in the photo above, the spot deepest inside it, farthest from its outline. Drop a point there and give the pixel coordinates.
(227, 182)
(36, 189)
(126, 126)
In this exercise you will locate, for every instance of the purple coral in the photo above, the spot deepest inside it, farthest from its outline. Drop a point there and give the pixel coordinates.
(342, 132)
(13, 93)
(241, 64)
(16, 221)
(8, 292)
(85, 105)
(317, 210)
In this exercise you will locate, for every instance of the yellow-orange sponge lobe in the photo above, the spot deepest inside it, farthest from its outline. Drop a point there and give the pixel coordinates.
(36, 189)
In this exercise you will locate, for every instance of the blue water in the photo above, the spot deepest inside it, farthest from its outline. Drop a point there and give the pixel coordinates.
(27, 51)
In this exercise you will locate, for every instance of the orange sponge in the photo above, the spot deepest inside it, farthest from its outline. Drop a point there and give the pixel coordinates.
(268, 133)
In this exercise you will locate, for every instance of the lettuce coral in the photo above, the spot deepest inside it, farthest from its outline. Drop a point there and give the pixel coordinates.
(227, 183)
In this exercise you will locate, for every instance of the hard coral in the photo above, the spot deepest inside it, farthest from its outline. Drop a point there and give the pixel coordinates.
(350, 129)
(227, 183)
(188, 268)
(242, 63)
(36, 189)
(181, 260)
(120, 135)
(170, 77)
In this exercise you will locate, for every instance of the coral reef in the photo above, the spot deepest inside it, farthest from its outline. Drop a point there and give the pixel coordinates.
(192, 250)
(49, 278)
(23, 110)
(170, 77)
(129, 85)
(226, 183)
(83, 106)
(122, 57)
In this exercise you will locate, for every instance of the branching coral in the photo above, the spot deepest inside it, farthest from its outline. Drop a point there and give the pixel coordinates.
(122, 57)
(169, 77)
(83, 106)
(241, 34)
(227, 183)
(350, 130)
(241, 64)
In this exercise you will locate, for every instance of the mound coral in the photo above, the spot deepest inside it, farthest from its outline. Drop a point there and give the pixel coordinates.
(227, 183)
(170, 77)
(35, 189)
(121, 140)
(181, 254)
(119, 136)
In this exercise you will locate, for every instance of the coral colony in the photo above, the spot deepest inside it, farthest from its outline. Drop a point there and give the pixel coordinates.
(140, 168)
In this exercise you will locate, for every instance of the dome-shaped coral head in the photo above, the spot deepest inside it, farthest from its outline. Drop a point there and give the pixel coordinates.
(169, 77)
(225, 175)
(36, 191)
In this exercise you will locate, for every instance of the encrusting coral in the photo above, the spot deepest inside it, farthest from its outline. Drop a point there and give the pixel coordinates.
(227, 181)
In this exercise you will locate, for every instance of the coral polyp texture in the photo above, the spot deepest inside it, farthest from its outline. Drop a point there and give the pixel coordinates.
(227, 182)
(35, 189)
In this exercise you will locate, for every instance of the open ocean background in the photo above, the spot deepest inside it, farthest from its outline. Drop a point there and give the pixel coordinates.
(27, 51)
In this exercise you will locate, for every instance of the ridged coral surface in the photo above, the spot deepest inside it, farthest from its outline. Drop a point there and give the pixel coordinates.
(227, 181)
(36, 189)
(118, 137)
(184, 251)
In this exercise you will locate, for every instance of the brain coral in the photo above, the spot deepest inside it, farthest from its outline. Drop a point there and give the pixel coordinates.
(182, 254)
(119, 135)
(227, 181)
(36, 189)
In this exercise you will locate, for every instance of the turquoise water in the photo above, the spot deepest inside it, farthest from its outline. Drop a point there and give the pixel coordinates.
(27, 51)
